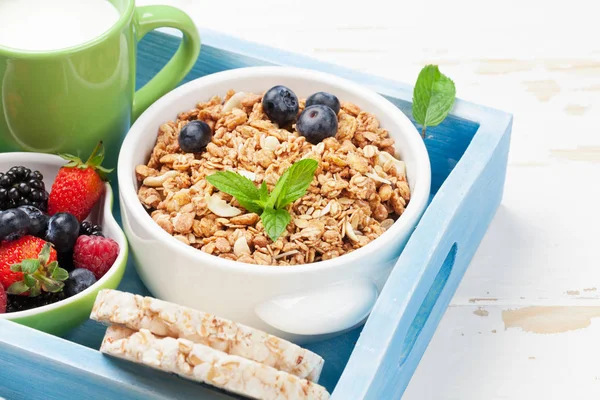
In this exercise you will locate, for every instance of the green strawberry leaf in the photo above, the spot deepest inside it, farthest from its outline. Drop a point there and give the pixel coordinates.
(52, 286)
(29, 280)
(36, 290)
(275, 222)
(59, 274)
(44, 255)
(16, 268)
(93, 161)
(97, 156)
(17, 288)
(29, 266)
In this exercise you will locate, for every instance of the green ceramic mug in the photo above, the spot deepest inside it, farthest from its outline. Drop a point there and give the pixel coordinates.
(68, 100)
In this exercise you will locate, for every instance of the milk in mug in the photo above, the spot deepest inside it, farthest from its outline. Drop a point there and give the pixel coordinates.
(45, 25)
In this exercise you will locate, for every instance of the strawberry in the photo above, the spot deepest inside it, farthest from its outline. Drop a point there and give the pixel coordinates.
(2, 300)
(78, 185)
(95, 253)
(28, 266)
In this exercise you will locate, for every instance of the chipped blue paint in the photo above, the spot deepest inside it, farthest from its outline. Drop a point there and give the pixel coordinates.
(468, 153)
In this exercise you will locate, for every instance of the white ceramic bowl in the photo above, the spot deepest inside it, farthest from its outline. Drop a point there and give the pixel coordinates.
(300, 303)
(58, 318)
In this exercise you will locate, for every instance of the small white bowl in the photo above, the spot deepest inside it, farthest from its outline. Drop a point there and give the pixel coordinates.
(62, 316)
(300, 303)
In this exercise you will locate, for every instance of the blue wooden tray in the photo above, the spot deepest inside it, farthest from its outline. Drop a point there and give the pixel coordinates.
(468, 157)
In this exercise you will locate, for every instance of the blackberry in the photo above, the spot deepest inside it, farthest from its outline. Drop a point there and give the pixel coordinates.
(65, 260)
(87, 228)
(21, 303)
(20, 186)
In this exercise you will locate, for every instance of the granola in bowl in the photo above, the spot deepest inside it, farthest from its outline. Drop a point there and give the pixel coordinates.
(358, 191)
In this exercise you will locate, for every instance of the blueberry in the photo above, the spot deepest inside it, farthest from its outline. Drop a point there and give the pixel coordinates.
(316, 123)
(79, 280)
(195, 136)
(38, 220)
(14, 223)
(326, 99)
(280, 104)
(63, 230)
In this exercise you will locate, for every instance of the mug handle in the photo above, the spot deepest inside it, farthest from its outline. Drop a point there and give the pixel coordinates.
(149, 18)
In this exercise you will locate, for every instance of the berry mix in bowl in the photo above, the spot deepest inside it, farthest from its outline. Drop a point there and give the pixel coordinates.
(284, 204)
(59, 243)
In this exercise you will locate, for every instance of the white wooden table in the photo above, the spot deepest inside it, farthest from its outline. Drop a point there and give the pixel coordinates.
(523, 324)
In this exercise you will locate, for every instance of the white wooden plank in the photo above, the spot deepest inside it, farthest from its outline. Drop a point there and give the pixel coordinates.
(474, 356)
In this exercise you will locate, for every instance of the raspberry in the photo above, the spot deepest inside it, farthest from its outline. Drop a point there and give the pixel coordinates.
(2, 300)
(95, 253)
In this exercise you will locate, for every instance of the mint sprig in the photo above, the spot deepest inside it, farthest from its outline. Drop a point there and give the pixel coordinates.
(433, 97)
(275, 222)
(239, 187)
(271, 207)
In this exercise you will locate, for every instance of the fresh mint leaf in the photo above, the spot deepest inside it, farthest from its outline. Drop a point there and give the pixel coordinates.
(271, 207)
(238, 186)
(433, 97)
(275, 222)
(264, 192)
(264, 196)
(300, 176)
(252, 206)
(278, 189)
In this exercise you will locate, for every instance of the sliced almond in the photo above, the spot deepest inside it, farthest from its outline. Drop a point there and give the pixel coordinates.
(234, 101)
(370, 151)
(350, 232)
(156, 181)
(221, 208)
(326, 209)
(377, 178)
(288, 253)
(401, 168)
(386, 161)
(241, 246)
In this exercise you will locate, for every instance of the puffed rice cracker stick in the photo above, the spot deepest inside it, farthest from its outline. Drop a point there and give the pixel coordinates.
(201, 363)
(113, 307)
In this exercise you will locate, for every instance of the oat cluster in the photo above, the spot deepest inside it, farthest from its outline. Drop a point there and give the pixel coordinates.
(359, 188)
